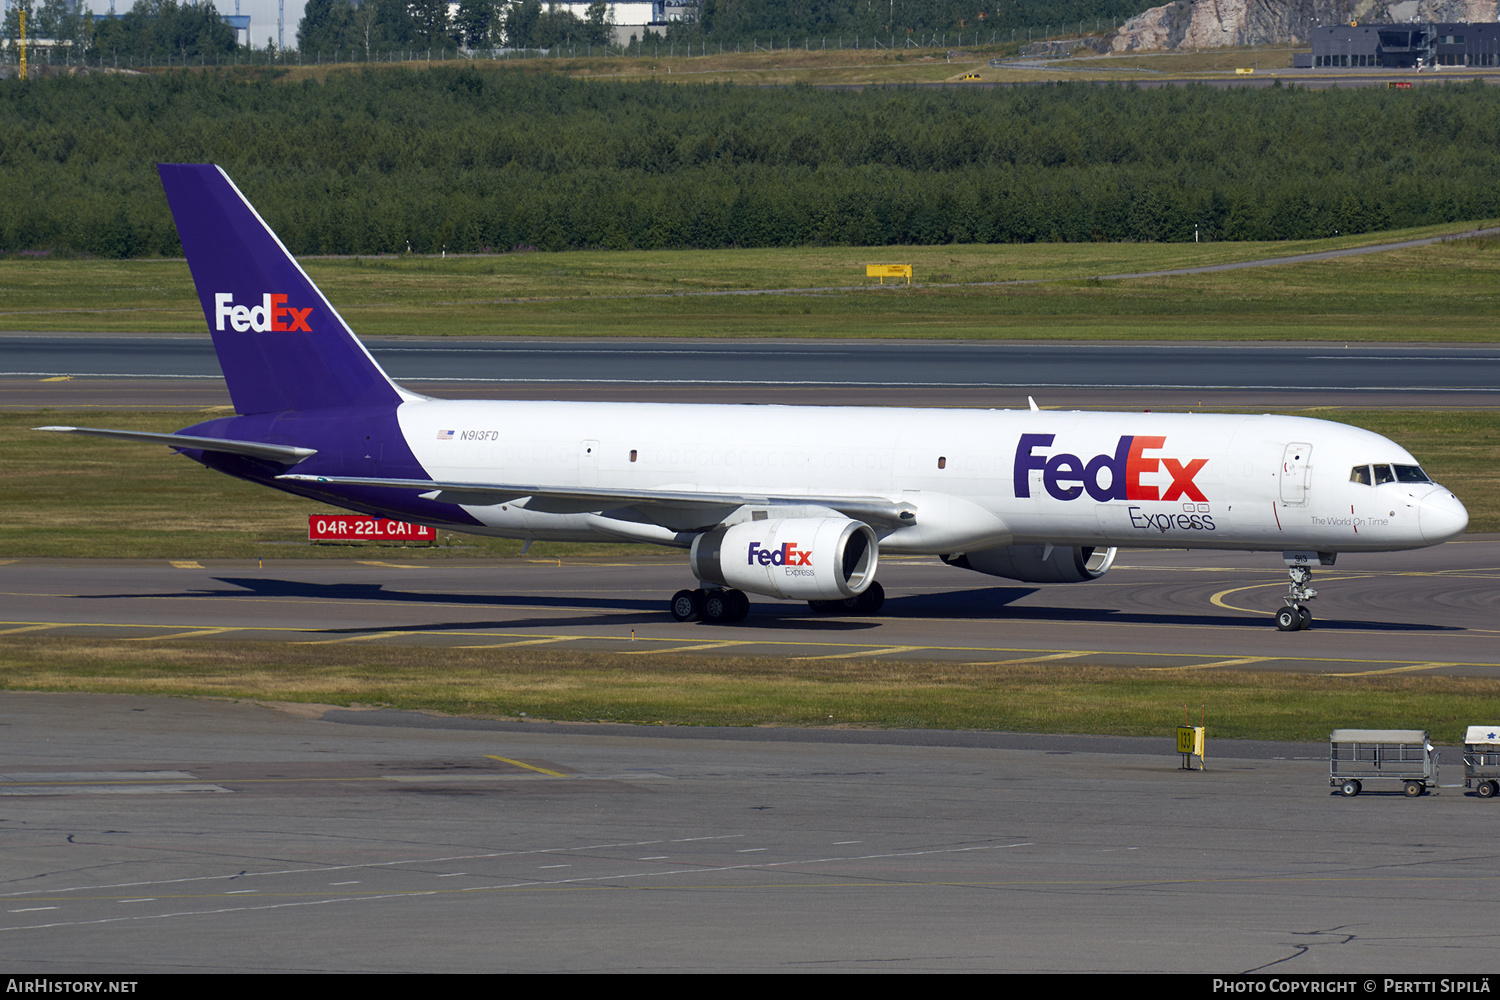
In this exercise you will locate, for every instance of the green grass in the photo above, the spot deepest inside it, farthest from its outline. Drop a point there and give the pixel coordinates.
(845, 67)
(682, 690)
(88, 497)
(1445, 292)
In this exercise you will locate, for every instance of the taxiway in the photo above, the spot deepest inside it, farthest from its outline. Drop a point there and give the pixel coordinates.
(166, 835)
(1432, 610)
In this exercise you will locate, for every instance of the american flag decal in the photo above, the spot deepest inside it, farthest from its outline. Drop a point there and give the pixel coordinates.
(445, 435)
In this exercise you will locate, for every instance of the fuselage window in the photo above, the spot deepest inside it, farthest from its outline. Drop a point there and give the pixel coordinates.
(1361, 475)
(1383, 474)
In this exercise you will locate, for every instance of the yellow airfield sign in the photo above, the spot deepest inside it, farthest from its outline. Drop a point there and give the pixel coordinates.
(883, 271)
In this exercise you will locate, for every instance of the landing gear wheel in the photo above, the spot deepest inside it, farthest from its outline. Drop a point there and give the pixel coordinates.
(1412, 789)
(721, 607)
(867, 602)
(1349, 789)
(687, 605)
(1486, 789)
(1288, 620)
(716, 607)
(1304, 618)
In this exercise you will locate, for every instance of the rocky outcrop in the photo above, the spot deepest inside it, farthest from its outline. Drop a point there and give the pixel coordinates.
(1208, 24)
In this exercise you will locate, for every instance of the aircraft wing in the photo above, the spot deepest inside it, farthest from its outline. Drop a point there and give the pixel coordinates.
(864, 508)
(285, 454)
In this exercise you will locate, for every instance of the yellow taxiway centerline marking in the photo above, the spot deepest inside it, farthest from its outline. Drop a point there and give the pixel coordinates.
(1218, 598)
(185, 564)
(183, 635)
(529, 767)
(1217, 663)
(348, 638)
(856, 653)
(720, 644)
(388, 565)
(1397, 670)
(24, 628)
(1035, 659)
(525, 642)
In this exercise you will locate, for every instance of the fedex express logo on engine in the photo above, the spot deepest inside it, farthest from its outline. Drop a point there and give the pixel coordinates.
(273, 315)
(1106, 477)
(786, 554)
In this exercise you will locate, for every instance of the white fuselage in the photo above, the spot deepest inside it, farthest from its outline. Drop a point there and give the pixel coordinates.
(975, 478)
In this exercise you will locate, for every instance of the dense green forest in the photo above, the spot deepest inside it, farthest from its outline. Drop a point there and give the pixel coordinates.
(818, 18)
(156, 31)
(377, 25)
(470, 159)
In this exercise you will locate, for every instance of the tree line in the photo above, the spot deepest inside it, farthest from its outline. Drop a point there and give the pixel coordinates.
(379, 25)
(154, 31)
(475, 159)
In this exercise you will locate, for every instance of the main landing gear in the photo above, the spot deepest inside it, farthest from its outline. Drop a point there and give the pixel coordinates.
(717, 605)
(713, 605)
(867, 602)
(1296, 616)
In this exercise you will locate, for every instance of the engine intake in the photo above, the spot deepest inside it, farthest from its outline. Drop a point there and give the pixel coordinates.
(798, 558)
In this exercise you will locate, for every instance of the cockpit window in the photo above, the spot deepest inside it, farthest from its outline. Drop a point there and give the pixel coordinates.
(1375, 475)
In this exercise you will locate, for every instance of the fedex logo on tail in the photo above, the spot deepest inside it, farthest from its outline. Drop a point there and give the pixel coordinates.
(786, 554)
(272, 315)
(1106, 477)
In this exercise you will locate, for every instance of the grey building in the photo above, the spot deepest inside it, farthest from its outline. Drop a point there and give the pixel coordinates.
(1406, 46)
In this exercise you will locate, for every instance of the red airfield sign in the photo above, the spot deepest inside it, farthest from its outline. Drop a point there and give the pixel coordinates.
(362, 528)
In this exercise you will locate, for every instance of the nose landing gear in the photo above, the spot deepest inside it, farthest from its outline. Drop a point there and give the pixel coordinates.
(1296, 616)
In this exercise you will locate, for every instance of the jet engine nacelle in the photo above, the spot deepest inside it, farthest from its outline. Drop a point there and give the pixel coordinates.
(798, 558)
(1038, 563)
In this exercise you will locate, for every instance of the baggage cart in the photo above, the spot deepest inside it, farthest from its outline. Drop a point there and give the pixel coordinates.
(1405, 755)
(1482, 760)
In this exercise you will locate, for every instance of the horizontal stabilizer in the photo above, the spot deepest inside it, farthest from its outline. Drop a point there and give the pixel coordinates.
(876, 509)
(286, 454)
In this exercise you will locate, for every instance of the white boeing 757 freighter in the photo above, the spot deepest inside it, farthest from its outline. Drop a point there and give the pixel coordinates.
(790, 502)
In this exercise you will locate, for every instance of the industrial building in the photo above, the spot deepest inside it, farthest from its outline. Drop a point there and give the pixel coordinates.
(1405, 46)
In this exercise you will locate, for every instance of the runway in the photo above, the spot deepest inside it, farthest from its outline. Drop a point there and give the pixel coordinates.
(1430, 611)
(89, 371)
(164, 835)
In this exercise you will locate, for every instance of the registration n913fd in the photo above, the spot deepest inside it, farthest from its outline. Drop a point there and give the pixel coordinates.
(788, 502)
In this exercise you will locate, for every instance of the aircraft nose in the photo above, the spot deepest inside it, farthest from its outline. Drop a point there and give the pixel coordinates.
(1441, 516)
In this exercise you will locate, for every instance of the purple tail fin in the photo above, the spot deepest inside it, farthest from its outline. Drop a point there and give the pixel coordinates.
(281, 344)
